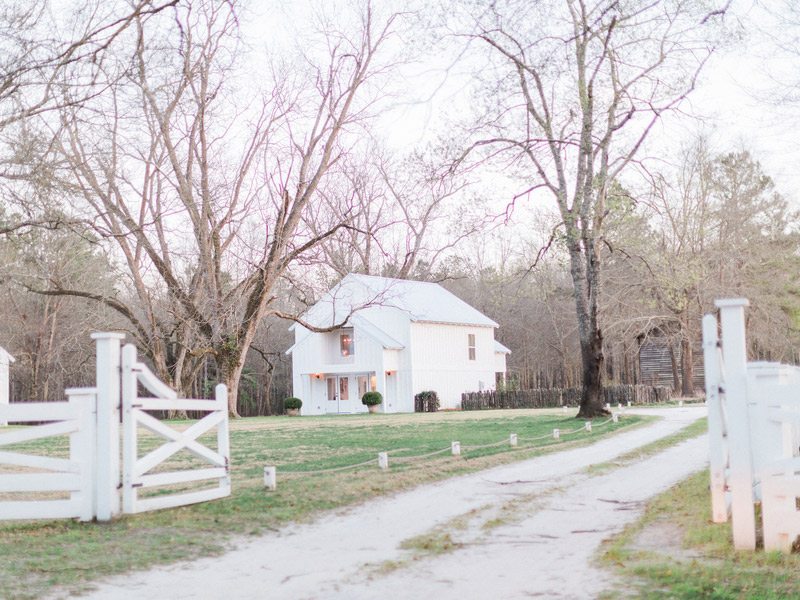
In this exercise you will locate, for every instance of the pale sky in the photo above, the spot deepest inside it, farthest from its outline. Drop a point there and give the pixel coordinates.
(731, 104)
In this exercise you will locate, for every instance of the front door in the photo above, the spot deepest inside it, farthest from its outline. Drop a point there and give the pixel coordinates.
(339, 394)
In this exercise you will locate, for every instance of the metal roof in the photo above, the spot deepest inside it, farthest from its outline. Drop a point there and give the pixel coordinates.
(500, 349)
(424, 302)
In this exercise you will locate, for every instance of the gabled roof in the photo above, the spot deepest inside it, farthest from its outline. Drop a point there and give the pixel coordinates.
(375, 332)
(368, 328)
(424, 302)
(500, 349)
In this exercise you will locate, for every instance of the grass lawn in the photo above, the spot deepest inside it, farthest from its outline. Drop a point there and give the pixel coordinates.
(675, 551)
(35, 557)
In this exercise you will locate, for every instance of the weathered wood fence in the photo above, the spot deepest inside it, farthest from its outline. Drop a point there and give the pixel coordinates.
(552, 398)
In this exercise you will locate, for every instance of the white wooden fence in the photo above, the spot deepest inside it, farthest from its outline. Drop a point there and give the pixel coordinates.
(139, 471)
(5, 360)
(754, 434)
(89, 482)
(71, 477)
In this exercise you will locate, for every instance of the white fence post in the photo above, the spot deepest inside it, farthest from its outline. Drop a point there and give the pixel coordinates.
(82, 445)
(455, 448)
(129, 427)
(512, 439)
(734, 353)
(588, 426)
(716, 427)
(5, 381)
(383, 460)
(556, 434)
(223, 434)
(270, 478)
(108, 415)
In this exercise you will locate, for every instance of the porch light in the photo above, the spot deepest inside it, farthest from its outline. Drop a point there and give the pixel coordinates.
(390, 372)
(316, 375)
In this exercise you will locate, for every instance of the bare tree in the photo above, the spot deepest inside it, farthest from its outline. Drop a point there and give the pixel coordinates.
(711, 226)
(405, 213)
(45, 47)
(580, 87)
(203, 194)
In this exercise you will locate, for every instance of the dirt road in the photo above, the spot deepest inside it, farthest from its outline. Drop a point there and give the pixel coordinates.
(521, 530)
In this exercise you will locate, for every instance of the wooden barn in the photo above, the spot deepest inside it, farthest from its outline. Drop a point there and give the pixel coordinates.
(661, 361)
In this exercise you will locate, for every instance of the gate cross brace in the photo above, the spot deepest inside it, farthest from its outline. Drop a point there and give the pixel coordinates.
(179, 441)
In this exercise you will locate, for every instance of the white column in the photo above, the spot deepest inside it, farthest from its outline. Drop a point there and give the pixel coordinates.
(108, 414)
(82, 448)
(130, 442)
(734, 354)
(5, 381)
(306, 394)
(223, 435)
(717, 439)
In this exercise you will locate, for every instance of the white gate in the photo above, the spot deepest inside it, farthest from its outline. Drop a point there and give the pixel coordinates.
(39, 478)
(754, 434)
(141, 472)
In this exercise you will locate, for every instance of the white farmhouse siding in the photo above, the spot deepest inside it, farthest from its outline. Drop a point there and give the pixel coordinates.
(316, 357)
(500, 353)
(5, 380)
(441, 360)
(408, 337)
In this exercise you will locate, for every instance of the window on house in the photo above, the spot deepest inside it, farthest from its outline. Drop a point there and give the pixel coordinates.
(471, 345)
(346, 343)
(366, 383)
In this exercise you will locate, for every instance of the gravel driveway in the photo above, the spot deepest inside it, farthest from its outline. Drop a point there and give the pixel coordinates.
(521, 530)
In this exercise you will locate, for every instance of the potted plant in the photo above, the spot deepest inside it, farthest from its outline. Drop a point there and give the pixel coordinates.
(292, 406)
(372, 400)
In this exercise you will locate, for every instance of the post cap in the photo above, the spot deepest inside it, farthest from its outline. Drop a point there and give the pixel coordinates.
(731, 302)
(107, 335)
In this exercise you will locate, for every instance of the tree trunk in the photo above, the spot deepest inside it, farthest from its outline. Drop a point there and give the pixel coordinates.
(229, 375)
(676, 377)
(592, 358)
(585, 271)
(687, 360)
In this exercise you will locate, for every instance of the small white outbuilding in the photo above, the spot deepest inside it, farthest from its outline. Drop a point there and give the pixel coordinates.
(394, 336)
(5, 383)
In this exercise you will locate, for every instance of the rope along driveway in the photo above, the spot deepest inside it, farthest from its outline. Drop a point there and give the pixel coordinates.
(550, 518)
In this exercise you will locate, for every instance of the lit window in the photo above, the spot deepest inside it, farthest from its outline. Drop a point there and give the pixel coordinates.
(366, 383)
(471, 345)
(346, 343)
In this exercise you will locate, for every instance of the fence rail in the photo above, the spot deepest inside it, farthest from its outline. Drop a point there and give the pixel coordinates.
(553, 398)
(45, 476)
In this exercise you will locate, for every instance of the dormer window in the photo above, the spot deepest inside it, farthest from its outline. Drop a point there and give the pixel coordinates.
(346, 345)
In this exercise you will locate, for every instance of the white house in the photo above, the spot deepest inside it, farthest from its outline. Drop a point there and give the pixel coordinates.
(395, 336)
(5, 360)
